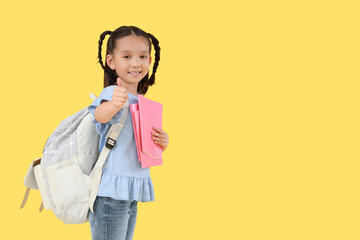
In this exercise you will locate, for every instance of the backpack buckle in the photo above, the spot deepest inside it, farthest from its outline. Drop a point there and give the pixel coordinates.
(110, 143)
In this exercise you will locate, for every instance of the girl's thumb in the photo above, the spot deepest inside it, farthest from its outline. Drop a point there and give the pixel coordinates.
(119, 83)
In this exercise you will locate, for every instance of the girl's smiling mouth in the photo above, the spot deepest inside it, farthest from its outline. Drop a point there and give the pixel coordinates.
(135, 73)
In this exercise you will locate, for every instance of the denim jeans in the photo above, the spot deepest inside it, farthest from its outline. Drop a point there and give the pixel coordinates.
(113, 219)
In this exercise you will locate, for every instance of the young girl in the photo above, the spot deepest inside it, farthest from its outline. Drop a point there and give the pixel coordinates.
(124, 182)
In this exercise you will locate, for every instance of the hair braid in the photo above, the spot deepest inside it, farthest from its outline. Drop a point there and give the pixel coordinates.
(107, 70)
(102, 37)
(157, 58)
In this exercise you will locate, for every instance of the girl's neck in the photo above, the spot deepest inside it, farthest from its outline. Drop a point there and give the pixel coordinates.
(130, 88)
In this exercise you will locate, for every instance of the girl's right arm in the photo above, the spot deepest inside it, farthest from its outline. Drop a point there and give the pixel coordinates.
(107, 109)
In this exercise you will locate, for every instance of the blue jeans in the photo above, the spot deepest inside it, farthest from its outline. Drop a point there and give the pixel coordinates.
(113, 219)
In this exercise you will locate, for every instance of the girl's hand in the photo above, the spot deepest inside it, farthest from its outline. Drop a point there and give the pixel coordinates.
(120, 96)
(160, 137)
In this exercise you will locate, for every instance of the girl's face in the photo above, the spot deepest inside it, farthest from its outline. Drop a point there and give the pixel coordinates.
(130, 57)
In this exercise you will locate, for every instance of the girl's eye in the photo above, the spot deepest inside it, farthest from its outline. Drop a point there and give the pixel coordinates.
(129, 56)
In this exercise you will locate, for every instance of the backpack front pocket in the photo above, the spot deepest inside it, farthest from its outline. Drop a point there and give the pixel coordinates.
(68, 187)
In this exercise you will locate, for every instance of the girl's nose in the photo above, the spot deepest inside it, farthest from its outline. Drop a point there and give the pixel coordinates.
(135, 62)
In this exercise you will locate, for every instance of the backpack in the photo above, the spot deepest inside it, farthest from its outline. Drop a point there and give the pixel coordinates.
(69, 172)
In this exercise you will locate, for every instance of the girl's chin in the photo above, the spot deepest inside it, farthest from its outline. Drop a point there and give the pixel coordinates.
(132, 80)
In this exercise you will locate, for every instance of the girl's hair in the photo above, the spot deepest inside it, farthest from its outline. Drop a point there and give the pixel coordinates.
(110, 75)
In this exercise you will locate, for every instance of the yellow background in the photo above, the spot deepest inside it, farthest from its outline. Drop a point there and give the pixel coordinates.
(260, 101)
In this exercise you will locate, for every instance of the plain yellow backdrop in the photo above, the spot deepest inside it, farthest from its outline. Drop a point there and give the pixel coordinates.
(260, 101)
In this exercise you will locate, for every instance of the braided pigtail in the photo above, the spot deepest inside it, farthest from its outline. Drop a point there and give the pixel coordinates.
(146, 82)
(110, 75)
(157, 58)
(102, 37)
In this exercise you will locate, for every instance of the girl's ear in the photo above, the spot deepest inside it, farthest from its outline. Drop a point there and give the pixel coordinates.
(149, 60)
(110, 62)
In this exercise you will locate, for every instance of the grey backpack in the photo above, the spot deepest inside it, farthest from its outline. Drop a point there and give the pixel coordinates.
(68, 174)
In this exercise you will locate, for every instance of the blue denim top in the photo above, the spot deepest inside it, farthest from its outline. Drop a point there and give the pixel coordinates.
(123, 177)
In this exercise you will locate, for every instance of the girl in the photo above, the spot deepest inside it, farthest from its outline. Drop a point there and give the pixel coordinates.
(124, 182)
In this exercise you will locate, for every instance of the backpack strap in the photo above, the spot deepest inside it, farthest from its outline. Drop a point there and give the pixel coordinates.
(111, 137)
(41, 206)
(30, 181)
(25, 197)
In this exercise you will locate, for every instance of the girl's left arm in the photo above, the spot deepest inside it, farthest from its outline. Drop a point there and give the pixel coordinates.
(160, 137)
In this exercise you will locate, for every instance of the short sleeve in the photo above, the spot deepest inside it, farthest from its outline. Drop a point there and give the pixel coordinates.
(106, 94)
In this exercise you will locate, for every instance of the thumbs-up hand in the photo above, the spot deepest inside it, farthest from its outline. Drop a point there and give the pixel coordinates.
(120, 96)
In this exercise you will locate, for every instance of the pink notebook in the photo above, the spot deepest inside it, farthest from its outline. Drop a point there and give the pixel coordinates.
(146, 114)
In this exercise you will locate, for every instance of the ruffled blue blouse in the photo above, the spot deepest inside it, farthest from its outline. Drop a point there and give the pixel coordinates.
(123, 177)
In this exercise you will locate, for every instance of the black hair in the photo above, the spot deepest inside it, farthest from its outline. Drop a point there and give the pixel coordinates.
(110, 76)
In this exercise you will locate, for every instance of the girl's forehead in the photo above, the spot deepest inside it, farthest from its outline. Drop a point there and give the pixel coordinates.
(132, 44)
